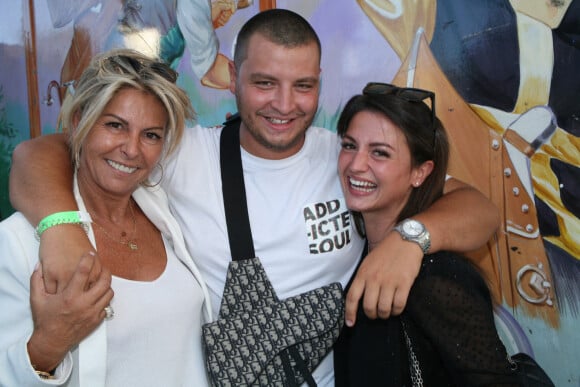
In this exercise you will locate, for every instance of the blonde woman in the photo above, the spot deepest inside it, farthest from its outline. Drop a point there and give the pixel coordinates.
(137, 321)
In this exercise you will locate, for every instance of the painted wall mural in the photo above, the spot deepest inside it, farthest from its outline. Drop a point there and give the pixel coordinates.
(505, 73)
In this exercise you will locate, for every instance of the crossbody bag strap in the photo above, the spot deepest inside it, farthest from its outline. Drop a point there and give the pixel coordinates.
(237, 218)
(234, 191)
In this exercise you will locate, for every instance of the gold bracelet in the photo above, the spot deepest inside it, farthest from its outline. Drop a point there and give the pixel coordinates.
(44, 374)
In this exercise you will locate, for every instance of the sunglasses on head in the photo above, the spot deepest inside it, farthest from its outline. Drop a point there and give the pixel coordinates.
(138, 66)
(406, 93)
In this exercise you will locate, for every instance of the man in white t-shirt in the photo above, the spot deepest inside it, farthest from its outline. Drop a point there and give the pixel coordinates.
(301, 228)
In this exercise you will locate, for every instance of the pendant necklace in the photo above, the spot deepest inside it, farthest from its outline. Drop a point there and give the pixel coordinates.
(130, 242)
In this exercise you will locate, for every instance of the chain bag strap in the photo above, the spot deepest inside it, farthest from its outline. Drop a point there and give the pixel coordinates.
(529, 372)
(414, 367)
(259, 339)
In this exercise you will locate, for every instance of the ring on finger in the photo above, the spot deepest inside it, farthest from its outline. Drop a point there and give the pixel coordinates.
(109, 312)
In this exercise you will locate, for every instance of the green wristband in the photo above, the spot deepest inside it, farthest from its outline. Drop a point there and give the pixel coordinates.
(66, 217)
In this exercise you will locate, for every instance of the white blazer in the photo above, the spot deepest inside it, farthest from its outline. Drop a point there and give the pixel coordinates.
(18, 258)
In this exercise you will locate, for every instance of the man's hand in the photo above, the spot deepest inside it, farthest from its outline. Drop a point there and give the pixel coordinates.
(60, 249)
(384, 279)
(462, 220)
(62, 320)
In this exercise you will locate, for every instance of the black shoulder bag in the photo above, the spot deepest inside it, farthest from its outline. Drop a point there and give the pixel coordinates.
(259, 339)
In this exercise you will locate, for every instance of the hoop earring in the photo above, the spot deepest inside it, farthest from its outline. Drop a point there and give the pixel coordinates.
(148, 184)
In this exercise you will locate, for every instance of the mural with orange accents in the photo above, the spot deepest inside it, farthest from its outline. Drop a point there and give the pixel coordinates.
(505, 73)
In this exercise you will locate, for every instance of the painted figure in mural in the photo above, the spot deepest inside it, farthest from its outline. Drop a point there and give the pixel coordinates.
(539, 149)
(125, 117)
(100, 25)
(161, 28)
(392, 165)
(209, 65)
(301, 228)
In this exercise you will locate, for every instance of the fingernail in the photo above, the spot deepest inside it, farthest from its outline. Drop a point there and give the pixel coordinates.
(349, 323)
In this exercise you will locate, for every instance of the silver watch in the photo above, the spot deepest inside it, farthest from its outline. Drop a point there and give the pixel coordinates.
(414, 231)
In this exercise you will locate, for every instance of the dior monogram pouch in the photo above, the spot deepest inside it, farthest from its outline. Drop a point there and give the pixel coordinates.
(263, 341)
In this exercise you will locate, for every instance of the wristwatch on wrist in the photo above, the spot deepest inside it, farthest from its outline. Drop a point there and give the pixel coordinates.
(414, 231)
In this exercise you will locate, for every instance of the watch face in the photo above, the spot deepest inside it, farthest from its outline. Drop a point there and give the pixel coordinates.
(413, 228)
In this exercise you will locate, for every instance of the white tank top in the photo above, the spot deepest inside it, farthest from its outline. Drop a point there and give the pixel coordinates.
(154, 338)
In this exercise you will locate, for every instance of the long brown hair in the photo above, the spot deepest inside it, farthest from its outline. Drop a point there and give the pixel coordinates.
(425, 136)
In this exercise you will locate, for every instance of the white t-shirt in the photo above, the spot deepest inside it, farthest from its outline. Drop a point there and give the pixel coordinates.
(302, 230)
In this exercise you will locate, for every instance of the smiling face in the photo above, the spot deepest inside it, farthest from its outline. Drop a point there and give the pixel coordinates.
(375, 166)
(124, 145)
(276, 92)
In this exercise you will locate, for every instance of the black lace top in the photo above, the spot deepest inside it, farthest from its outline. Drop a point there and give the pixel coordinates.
(449, 320)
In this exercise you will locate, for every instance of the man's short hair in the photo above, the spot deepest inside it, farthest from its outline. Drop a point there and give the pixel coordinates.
(280, 26)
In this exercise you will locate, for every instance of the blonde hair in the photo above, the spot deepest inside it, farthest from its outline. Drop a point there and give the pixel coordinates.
(115, 70)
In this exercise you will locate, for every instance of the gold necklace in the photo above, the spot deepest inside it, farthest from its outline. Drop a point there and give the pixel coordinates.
(130, 242)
